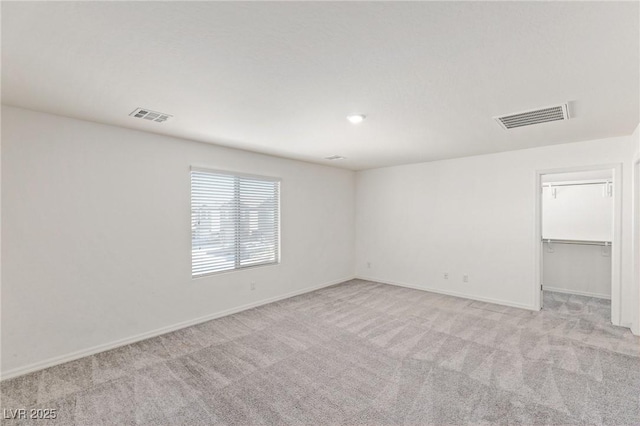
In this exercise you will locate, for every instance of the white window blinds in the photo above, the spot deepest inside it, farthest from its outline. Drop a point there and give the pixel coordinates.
(235, 221)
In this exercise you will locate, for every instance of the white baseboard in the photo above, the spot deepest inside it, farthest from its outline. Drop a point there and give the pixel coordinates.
(576, 292)
(452, 293)
(157, 332)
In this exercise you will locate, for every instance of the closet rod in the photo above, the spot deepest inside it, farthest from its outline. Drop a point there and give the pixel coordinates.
(580, 242)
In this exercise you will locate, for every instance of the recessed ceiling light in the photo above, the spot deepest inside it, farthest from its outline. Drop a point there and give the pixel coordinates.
(335, 157)
(356, 118)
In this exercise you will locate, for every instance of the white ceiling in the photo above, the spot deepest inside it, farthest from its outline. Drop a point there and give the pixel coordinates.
(280, 78)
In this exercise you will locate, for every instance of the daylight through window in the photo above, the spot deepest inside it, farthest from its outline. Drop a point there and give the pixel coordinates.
(235, 221)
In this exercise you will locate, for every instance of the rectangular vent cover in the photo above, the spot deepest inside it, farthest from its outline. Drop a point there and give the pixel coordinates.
(335, 157)
(147, 114)
(536, 116)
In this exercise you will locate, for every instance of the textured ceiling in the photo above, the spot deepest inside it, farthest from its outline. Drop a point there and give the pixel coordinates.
(280, 78)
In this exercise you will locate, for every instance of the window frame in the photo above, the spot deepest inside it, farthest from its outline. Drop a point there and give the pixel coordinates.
(237, 267)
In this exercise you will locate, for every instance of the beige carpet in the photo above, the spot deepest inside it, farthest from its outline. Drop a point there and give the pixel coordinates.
(358, 353)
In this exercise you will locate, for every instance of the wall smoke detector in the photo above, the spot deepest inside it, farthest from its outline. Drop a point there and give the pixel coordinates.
(147, 114)
(536, 116)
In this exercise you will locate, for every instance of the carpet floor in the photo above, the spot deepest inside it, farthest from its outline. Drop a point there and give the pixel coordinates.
(358, 353)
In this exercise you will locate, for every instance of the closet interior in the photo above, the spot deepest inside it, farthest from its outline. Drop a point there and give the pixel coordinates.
(577, 233)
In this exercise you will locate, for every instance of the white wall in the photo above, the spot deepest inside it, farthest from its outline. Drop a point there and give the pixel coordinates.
(474, 216)
(577, 269)
(577, 212)
(96, 241)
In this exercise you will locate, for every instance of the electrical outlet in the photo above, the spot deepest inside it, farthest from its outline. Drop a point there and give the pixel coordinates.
(446, 275)
(368, 265)
(465, 278)
(253, 286)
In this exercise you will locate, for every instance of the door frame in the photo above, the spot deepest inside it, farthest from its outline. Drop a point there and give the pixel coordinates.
(616, 253)
(635, 326)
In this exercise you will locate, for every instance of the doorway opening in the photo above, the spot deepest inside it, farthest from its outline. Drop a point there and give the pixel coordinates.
(578, 242)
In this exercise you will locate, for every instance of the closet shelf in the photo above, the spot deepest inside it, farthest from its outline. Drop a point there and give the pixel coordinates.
(580, 242)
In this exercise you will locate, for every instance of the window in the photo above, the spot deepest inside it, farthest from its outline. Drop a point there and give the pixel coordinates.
(235, 221)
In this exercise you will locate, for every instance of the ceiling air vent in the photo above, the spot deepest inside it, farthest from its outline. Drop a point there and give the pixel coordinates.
(536, 116)
(147, 114)
(335, 157)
